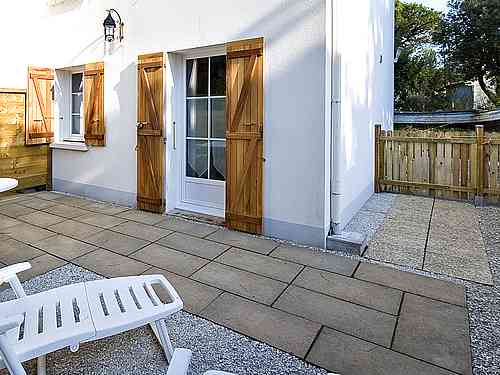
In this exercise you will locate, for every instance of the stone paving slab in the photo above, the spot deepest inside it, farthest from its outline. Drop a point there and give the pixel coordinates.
(142, 231)
(75, 229)
(196, 296)
(393, 252)
(47, 195)
(27, 233)
(100, 220)
(435, 332)
(263, 265)
(13, 251)
(72, 201)
(243, 241)
(193, 245)
(347, 317)
(41, 219)
(117, 242)
(6, 222)
(38, 204)
(105, 208)
(15, 210)
(67, 212)
(143, 217)
(284, 331)
(243, 283)
(187, 227)
(360, 292)
(465, 267)
(64, 247)
(169, 259)
(412, 283)
(109, 264)
(347, 355)
(317, 259)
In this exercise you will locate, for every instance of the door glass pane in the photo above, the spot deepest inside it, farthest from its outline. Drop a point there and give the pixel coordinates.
(197, 118)
(218, 76)
(218, 160)
(75, 124)
(197, 158)
(77, 82)
(76, 103)
(197, 77)
(218, 118)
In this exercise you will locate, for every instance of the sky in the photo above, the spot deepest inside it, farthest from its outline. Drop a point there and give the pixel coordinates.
(436, 4)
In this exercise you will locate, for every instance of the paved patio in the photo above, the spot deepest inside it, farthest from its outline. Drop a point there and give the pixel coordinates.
(434, 235)
(335, 312)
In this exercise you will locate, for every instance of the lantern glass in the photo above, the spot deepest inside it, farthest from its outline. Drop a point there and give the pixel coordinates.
(109, 33)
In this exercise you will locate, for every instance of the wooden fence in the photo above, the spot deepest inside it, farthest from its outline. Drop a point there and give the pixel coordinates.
(30, 165)
(453, 164)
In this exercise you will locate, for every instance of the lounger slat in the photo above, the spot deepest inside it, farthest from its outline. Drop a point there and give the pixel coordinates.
(112, 304)
(49, 318)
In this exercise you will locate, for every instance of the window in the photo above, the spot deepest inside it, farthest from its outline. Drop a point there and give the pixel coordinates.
(76, 128)
(206, 118)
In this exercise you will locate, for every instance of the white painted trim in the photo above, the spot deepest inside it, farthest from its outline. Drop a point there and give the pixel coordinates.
(195, 53)
(73, 146)
(198, 208)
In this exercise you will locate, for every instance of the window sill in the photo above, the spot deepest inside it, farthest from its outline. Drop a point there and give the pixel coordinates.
(73, 146)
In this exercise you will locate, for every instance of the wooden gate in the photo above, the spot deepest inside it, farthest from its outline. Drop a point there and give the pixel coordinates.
(244, 135)
(150, 130)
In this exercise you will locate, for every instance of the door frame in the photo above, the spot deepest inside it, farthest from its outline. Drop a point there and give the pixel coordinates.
(175, 124)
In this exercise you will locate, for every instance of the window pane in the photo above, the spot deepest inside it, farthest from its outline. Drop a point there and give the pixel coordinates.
(197, 118)
(77, 82)
(218, 160)
(218, 118)
(218, 76)
(197, 158)
(197, 77)
(75, 124)
(76, 103)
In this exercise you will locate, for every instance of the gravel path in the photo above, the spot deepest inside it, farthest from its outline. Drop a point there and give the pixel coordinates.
(137, 352)
(483, 302)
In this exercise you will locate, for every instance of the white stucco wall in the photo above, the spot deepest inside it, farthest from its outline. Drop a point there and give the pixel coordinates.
(294, 32)
(367, 86)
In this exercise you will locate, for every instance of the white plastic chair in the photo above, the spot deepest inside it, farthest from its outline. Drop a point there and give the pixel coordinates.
(32, 326)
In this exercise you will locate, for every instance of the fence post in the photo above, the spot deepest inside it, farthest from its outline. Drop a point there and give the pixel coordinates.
(378, 128)
(480, 164)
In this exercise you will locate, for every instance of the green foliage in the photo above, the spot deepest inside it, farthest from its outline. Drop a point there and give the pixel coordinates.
(420, 78)
(470, 38)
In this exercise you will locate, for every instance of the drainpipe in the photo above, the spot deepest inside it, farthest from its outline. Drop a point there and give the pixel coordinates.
(335, 143)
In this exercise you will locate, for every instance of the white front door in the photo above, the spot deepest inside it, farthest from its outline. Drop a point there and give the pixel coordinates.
(203, 146)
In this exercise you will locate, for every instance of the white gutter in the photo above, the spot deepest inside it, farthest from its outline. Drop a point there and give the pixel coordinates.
(335, 100)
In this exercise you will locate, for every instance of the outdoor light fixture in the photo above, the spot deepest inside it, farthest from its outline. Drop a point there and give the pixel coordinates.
(110, 26)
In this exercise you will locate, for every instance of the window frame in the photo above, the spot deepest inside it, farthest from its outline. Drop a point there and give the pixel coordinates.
(209, 137)
(69, 135)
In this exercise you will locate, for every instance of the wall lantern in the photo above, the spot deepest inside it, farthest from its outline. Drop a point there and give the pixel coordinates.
(110, 26)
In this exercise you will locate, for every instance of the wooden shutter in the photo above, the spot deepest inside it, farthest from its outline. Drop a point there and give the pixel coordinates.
(244, 135)
(150, 141)
(39, 127)
(93, 104)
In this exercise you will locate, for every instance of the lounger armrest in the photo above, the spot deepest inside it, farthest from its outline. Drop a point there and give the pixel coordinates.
(179, 363)
(6, 324)
(9, 272)
(176, 303)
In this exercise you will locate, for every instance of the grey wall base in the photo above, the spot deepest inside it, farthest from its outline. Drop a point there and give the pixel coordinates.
(348, 242)
(95, 192)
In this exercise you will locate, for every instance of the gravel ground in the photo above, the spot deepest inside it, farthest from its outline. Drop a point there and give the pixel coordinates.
(137, 352)
(483, 302)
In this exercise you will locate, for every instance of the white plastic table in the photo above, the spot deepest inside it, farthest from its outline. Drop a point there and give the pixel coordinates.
(7, 184)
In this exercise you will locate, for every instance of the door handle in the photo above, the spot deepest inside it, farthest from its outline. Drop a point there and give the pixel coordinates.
(140, 125)
(174, 135)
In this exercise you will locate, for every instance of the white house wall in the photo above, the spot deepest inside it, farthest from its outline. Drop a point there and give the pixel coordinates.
(367, 86)
(294, 31)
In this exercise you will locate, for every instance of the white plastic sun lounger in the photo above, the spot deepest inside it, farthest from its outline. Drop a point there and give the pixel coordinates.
(32, 326)
(180, 364)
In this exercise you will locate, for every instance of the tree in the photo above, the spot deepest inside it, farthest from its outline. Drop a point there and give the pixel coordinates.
(470, 38)
(420, 78)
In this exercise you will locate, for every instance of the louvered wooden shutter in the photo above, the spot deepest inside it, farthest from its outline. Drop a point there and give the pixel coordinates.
(39, 127)
(244, 135)
(150, 141)
(93, 104)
